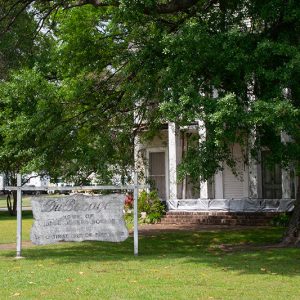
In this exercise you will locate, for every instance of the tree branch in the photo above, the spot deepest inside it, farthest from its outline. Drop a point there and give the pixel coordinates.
(175, 6)
(16, 14)
(95, 3)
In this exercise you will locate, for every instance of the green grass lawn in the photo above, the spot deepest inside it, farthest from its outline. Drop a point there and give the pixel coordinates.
(8, 227)
(181, 265)
(25, 201)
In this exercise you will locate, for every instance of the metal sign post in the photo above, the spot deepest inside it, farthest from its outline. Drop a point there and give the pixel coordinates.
(135, 215)
(19, 216)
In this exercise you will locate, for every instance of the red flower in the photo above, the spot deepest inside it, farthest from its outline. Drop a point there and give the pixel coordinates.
(129, 200)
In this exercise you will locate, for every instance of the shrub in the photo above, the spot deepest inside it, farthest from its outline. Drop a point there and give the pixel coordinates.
(129, 220)
(153, 217)
(281, 220)
(143, 202)
(151, 204)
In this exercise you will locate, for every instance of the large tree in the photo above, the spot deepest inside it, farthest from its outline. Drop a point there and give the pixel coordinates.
(17, 50)
(163, 59)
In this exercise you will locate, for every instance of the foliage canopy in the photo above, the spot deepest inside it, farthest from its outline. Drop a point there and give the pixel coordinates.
(100, 61)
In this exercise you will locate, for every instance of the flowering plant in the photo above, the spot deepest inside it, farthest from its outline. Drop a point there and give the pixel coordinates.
(129, 201)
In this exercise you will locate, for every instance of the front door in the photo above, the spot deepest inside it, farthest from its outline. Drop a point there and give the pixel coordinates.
(157, 173)
(271, 179)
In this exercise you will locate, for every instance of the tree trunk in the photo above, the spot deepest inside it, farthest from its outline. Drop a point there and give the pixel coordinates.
(12, 203)
(292, 235)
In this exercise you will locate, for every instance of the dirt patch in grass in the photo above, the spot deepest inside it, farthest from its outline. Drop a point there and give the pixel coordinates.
(250, 247)
(149, 229)
(12, 246)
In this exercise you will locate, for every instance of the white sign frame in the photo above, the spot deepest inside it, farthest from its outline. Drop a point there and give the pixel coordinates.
(19, 188)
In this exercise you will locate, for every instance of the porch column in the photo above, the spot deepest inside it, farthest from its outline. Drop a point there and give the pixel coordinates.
(136, 150)
(254, 169)
(219, 185)
(286, 173)
(139, 159)
(255, 176)
(2, 179)
(205, 187)
(174, 158)
(286, 184)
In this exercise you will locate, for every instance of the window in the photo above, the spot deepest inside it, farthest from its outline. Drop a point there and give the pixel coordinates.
(271, 179)
(157, 173)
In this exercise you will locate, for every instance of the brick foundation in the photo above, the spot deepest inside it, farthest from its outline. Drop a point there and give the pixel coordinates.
(220, 218)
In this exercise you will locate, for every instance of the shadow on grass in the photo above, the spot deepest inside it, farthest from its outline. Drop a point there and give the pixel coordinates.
(198, 248)
(4, 216)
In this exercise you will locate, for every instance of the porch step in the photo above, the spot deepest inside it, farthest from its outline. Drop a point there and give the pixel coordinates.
(219, 218)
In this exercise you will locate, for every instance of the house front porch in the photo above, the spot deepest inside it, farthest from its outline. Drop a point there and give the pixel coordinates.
(255, 188)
